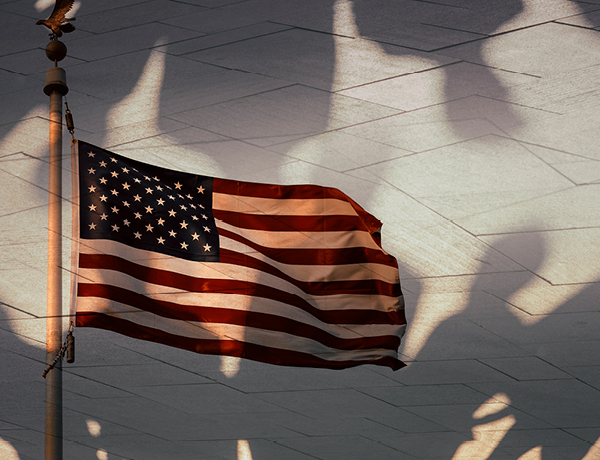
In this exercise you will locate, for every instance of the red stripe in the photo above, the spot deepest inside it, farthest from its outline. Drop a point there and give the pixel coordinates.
(224, 347)
(322, 256)
(286, 192)
(277, 223)
(219, 286)
(254, 319)
(320, 288)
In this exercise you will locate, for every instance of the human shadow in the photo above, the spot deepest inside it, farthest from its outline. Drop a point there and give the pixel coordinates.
(540, 399)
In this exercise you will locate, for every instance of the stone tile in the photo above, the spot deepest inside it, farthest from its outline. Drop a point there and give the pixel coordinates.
(428, 445)
(133, 15)
(339, 151)
(438, 85)
(341, 447)
(423, 37)
(425, 395)
(561, 403)
(127, 40)
(448, 372)
(300, 112)
(256, 448)
(567, 207)
(519, 51)
(527, 368)
(569, 256)
(131, 377)
(206, 399)
(587, 374)
(489, 18)
(501, 164)
(314, 61)
(578, 353)
(223, 38)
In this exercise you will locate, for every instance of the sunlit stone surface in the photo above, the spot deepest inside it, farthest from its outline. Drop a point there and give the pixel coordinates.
(469, 127)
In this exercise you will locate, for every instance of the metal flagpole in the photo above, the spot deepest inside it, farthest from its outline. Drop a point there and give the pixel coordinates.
(56, 88)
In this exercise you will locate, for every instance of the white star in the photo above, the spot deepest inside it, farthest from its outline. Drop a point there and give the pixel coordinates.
(172, 213)
(91, 171)
(172, 233)
(103, 164)
(161, 240)
(184, 224)
(126, 204)
(161, 221)
(195, 236)
(92, 207)
(115, 228)
(125, 170)
(103, 181)
(200, 189)
(156, 178)
(126, 223)
(204, 217)
(92, 226)
(178, 186)
(193, 206)
(149, 228)
(207, 230)
(126, 186)
(138, 235)
(149, 210)
(207, 247)
(159, 188)
(171, 197)
(137, 215)
(92, 189)
(115, 209)
(137, 180)
(149, 190)
(114, 160)
(160, 201)
(114, 174)
(103, 198)
(184, 246)
(147, 178)
(91, 154)
(183, 207)
(137, 198)
(189, 196)
(195, 217)
(103, 216)
(114, 192)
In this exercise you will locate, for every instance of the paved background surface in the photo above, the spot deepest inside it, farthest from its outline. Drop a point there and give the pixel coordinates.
(469, 127)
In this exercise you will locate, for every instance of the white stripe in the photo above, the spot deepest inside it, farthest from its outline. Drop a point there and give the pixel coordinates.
(305, 273)
(344, 272)
(211, 270)
(304, 240)
(283, 207)
(240, 302)
(216, 331)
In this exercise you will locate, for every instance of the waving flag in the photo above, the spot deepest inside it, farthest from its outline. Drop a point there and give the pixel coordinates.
(287, 275)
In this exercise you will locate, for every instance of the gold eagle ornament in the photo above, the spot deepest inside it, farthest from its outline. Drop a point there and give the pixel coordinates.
(57, 22)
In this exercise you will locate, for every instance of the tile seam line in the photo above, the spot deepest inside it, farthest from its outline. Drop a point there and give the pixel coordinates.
(232, 99)
(228, 43)
(538, 231)
(441, 66)
(492, 35)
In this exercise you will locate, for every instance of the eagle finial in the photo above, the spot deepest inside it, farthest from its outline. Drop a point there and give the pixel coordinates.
(57, 22)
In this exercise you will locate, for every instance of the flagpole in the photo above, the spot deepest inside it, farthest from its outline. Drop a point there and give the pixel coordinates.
(55, 88)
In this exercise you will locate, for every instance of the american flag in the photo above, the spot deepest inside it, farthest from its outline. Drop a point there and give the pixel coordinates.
(287, 275)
